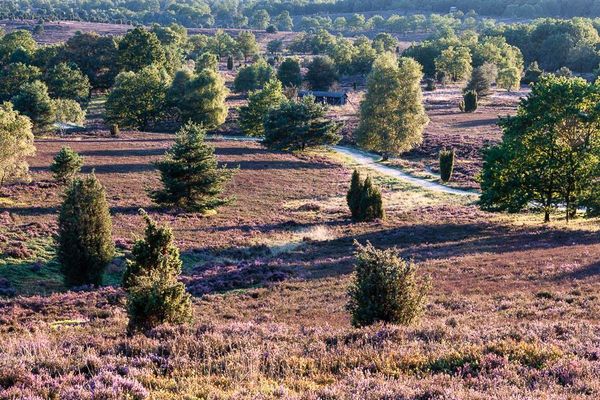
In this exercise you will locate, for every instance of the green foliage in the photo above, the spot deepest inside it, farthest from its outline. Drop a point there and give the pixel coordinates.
(259, 104)
(283, 21)
(532, 73)
(253, 77)
(95, 55)
(297, 125)
(67, 111)
(13, 76)
(85, 245)
(455, 63)
(34, 101)
(139, 49)
(246, 44)
(289, 72)
(138, 98)
(321, 73)
(550, 151)
(370, 206)
(392, 116)
(66, 82)
(354, 194)
(482, 79)
(229, 63)
(469, 102)
(275, 46)
(199, 98)
(207, 61)
(67, 163)
(430, 85)
(446, 164)
(154, 295)
(385, 288)
(190, 173)
(364, 199)
(17, 42)
(16, 144)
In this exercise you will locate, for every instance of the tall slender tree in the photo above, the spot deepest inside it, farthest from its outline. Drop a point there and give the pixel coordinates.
(392, 116)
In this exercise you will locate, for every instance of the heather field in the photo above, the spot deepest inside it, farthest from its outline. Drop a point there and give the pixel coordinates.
(513, 311)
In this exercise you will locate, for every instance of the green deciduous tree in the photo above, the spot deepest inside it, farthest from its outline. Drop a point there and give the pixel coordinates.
(199, 97)
(66, 82)
(385, 288)
(16, 144)
(138, 98)
(190, 173)
(454, 63)
(67, 111)
(13, 76)
(283, 21)
(392, 116)
(85, 245)
(296, 125)
(550, 151)
(34, 101)
(66, 164)
(154, 294)
(95, 55)
(259, 104)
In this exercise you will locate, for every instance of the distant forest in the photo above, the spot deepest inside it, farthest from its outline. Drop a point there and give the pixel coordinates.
(261, 13)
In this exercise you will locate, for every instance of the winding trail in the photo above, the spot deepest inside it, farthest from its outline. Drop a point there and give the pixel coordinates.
(370, 160)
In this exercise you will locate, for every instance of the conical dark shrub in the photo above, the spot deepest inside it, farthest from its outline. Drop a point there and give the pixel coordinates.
(354, 194)
(385, 288)
(469, 102)
(371, 203)
(154, 295)
(190, 173)
(67, 163)
(85, 245)
(229, 63)
(446, 164)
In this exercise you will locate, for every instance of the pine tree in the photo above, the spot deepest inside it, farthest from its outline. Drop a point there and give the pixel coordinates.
(354, 194)
(85, 245)
(34, 101)
(297, 125)
(392, 116)
(289, 73)
(229, 63)
(190, 174)
(259, 104)
(154, 295)
(67, 163)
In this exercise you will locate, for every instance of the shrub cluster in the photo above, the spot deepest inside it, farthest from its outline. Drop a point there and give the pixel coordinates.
(364, 199)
